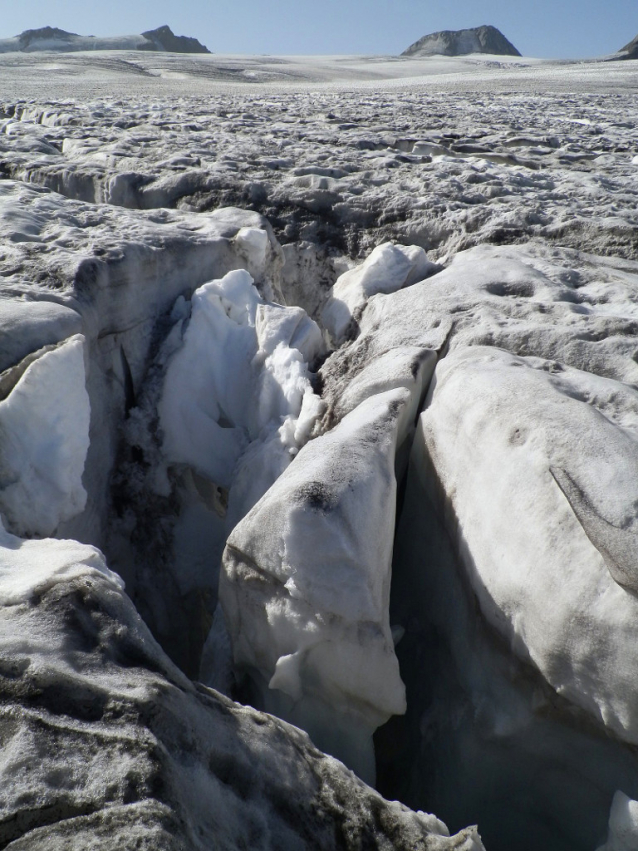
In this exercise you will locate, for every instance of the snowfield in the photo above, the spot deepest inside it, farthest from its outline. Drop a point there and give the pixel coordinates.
(318, 393)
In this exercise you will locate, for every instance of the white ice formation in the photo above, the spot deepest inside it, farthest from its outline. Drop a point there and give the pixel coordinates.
(388, 268)
(239, 377)
(306, 585)
(297, 459)
(561, 587)
(623, 825)
(44, 440)
(106, 743)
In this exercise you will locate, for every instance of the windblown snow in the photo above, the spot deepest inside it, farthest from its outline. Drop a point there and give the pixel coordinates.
(318, 393)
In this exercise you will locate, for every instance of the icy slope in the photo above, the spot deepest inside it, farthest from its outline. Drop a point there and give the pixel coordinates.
(516, 548)
(306, 582)
(444, 170)
(44, 422)
(97, 688)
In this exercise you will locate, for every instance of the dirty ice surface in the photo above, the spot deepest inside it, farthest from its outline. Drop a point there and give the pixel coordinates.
(334, 360)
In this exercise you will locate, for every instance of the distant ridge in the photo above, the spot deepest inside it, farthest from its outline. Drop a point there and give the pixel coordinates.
(54, 39)
(629, 51)
(44, 33)
(485, 39)
(165, 39)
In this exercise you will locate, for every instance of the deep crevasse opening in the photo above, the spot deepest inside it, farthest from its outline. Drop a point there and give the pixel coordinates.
(485, 739)
(305, 584)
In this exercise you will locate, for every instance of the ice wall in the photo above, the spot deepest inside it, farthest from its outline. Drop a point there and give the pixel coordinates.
(44, 440)
(388, 268)
(306, 581)
(560, 586)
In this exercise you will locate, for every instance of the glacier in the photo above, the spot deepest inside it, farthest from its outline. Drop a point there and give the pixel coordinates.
(318, 426)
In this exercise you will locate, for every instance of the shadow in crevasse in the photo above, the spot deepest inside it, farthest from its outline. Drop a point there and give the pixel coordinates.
(485, 740)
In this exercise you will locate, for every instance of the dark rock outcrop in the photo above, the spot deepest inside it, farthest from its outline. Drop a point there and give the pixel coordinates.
(43, 33)
(485, 39)
(629, 51)
(163, 38)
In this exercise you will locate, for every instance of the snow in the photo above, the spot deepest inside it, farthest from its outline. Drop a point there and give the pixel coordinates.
(502, 426)
(94, 714)
(513, 585)
(387, 269)
(30, 568)
(27, 325)
(623, 824)
(44, 423)
(305, 598)
(515, 531)
(237, 382)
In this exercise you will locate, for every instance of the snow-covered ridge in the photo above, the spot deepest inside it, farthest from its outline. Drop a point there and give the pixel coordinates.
(57, 40)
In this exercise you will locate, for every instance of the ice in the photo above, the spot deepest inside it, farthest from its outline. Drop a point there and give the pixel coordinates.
(238, 378)
(228, 406)
(623, 824)
(96, 717)
(30, 568)
(203, 388)
(545, 585)
(468, 693)
(26, 326)
(306, 599)
(513, 576)
(44, 423)
(388, 268)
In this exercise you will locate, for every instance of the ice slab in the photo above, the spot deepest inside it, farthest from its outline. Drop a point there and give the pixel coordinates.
(306, 581)
(26, 326)
(623, 824)
(545, 524)
(44, 424)
(388, 268)
(96, 717)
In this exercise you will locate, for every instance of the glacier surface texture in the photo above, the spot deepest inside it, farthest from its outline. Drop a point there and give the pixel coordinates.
(318, 453)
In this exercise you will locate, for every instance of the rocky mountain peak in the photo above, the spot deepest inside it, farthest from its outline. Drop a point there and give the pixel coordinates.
(165, 39)
(41, 34)
(629, 51)
(485, 39)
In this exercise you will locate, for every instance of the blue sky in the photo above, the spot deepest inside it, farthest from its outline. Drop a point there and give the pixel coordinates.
(548, 28)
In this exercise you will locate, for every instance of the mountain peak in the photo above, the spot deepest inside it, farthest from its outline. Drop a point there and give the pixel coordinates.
(25, 38)
(165, 39)
(630, 51)
(484, 39)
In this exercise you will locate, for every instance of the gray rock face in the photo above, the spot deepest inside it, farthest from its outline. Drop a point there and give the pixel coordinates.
(629, 51)
(28, 37)
(485, 39)
(164, 39)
